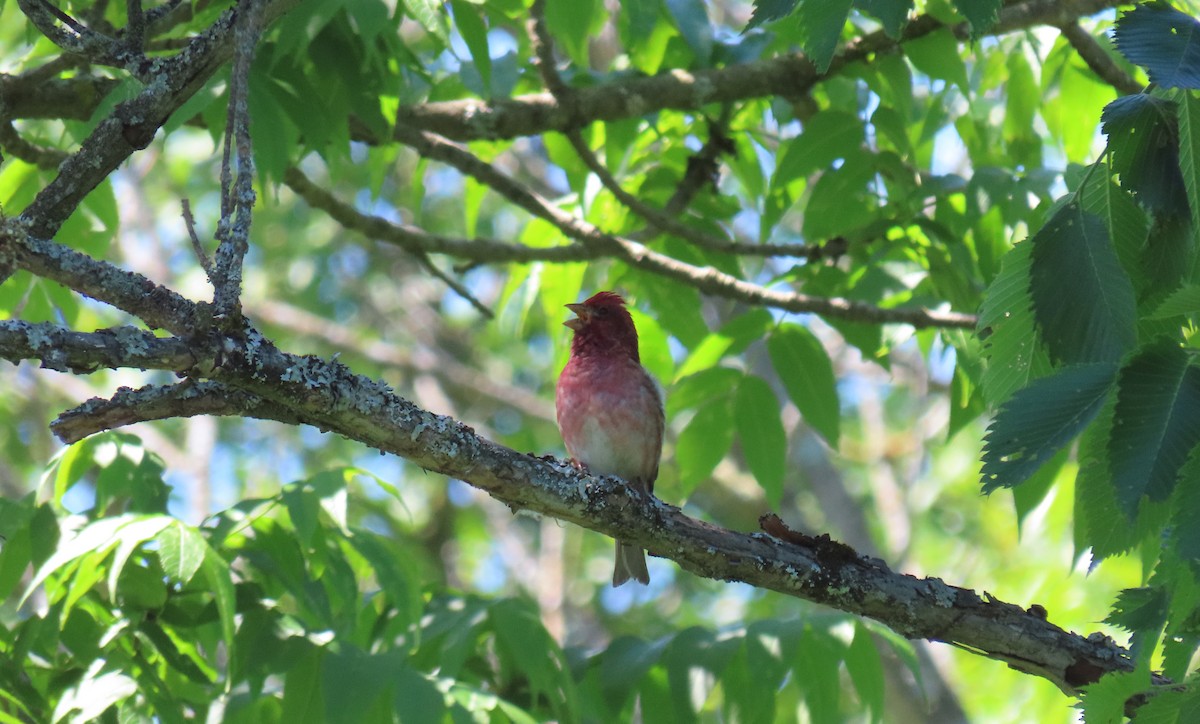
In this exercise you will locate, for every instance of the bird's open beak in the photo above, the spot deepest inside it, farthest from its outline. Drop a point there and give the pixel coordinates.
(577, 323)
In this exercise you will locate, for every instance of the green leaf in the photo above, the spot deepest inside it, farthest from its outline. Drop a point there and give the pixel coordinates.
(570, 22)
(733, 337)
(1156, 423)
(1105, 700)
(766, 11)
(1041, 418)
(302, 689)
(820, 26)
(1184, 300)
(622, 667)
(691, 18)
(181, 551)
(892, 14)
(827, 136)
(353, 683)
(981, 14)
(429, 14)
(1188, 115)
(1030, 495)
(1143, 140)
(468, 21)
(760, 430)
(1164, 41)
(220, 582)
(703, 443)
(807, 374)
(420, 699)
(818, 669)
(1092, 319)
(865, 667)
(936, 55)
(1015, 355)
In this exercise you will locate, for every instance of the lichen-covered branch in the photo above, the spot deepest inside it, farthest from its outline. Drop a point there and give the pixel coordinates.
(156, 305)
(785, 76)
(66, 350)
(271, 384)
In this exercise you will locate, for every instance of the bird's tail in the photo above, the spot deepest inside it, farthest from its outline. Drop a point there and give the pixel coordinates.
(631, 563)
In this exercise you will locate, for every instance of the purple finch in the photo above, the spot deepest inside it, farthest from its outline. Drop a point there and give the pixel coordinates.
(610, 411)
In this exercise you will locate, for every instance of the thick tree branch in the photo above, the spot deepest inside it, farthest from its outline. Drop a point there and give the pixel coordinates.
(274, 385)
(786, 76)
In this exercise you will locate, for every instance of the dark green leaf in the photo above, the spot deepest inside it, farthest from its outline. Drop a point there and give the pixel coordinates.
(1139, 608)
(1040, 419)
(804, 368)
(1082, 299)
(1105, 700)
(820, 26)
(892, 14)
(1156, 423)
(1143, 139)
(767, 10)
(1164, 41)
(760, 429)
(691, 17)
(981, 14)
(354, 682)
(419, 699)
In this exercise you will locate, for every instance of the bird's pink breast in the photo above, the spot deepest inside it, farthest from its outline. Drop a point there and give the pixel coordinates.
(611, 418)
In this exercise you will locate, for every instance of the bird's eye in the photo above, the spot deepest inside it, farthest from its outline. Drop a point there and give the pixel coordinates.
(601, 311)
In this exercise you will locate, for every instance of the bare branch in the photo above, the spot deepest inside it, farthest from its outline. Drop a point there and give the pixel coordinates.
(706, 279)
(414, 239)
(1101, 63)
(198, 248)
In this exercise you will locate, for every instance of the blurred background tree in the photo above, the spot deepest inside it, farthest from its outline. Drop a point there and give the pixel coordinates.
(806, 204)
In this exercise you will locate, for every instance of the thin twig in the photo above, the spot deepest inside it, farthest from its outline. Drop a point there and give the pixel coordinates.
(453, 283)
(1101, 63)
(706, 279)
(201, 255)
